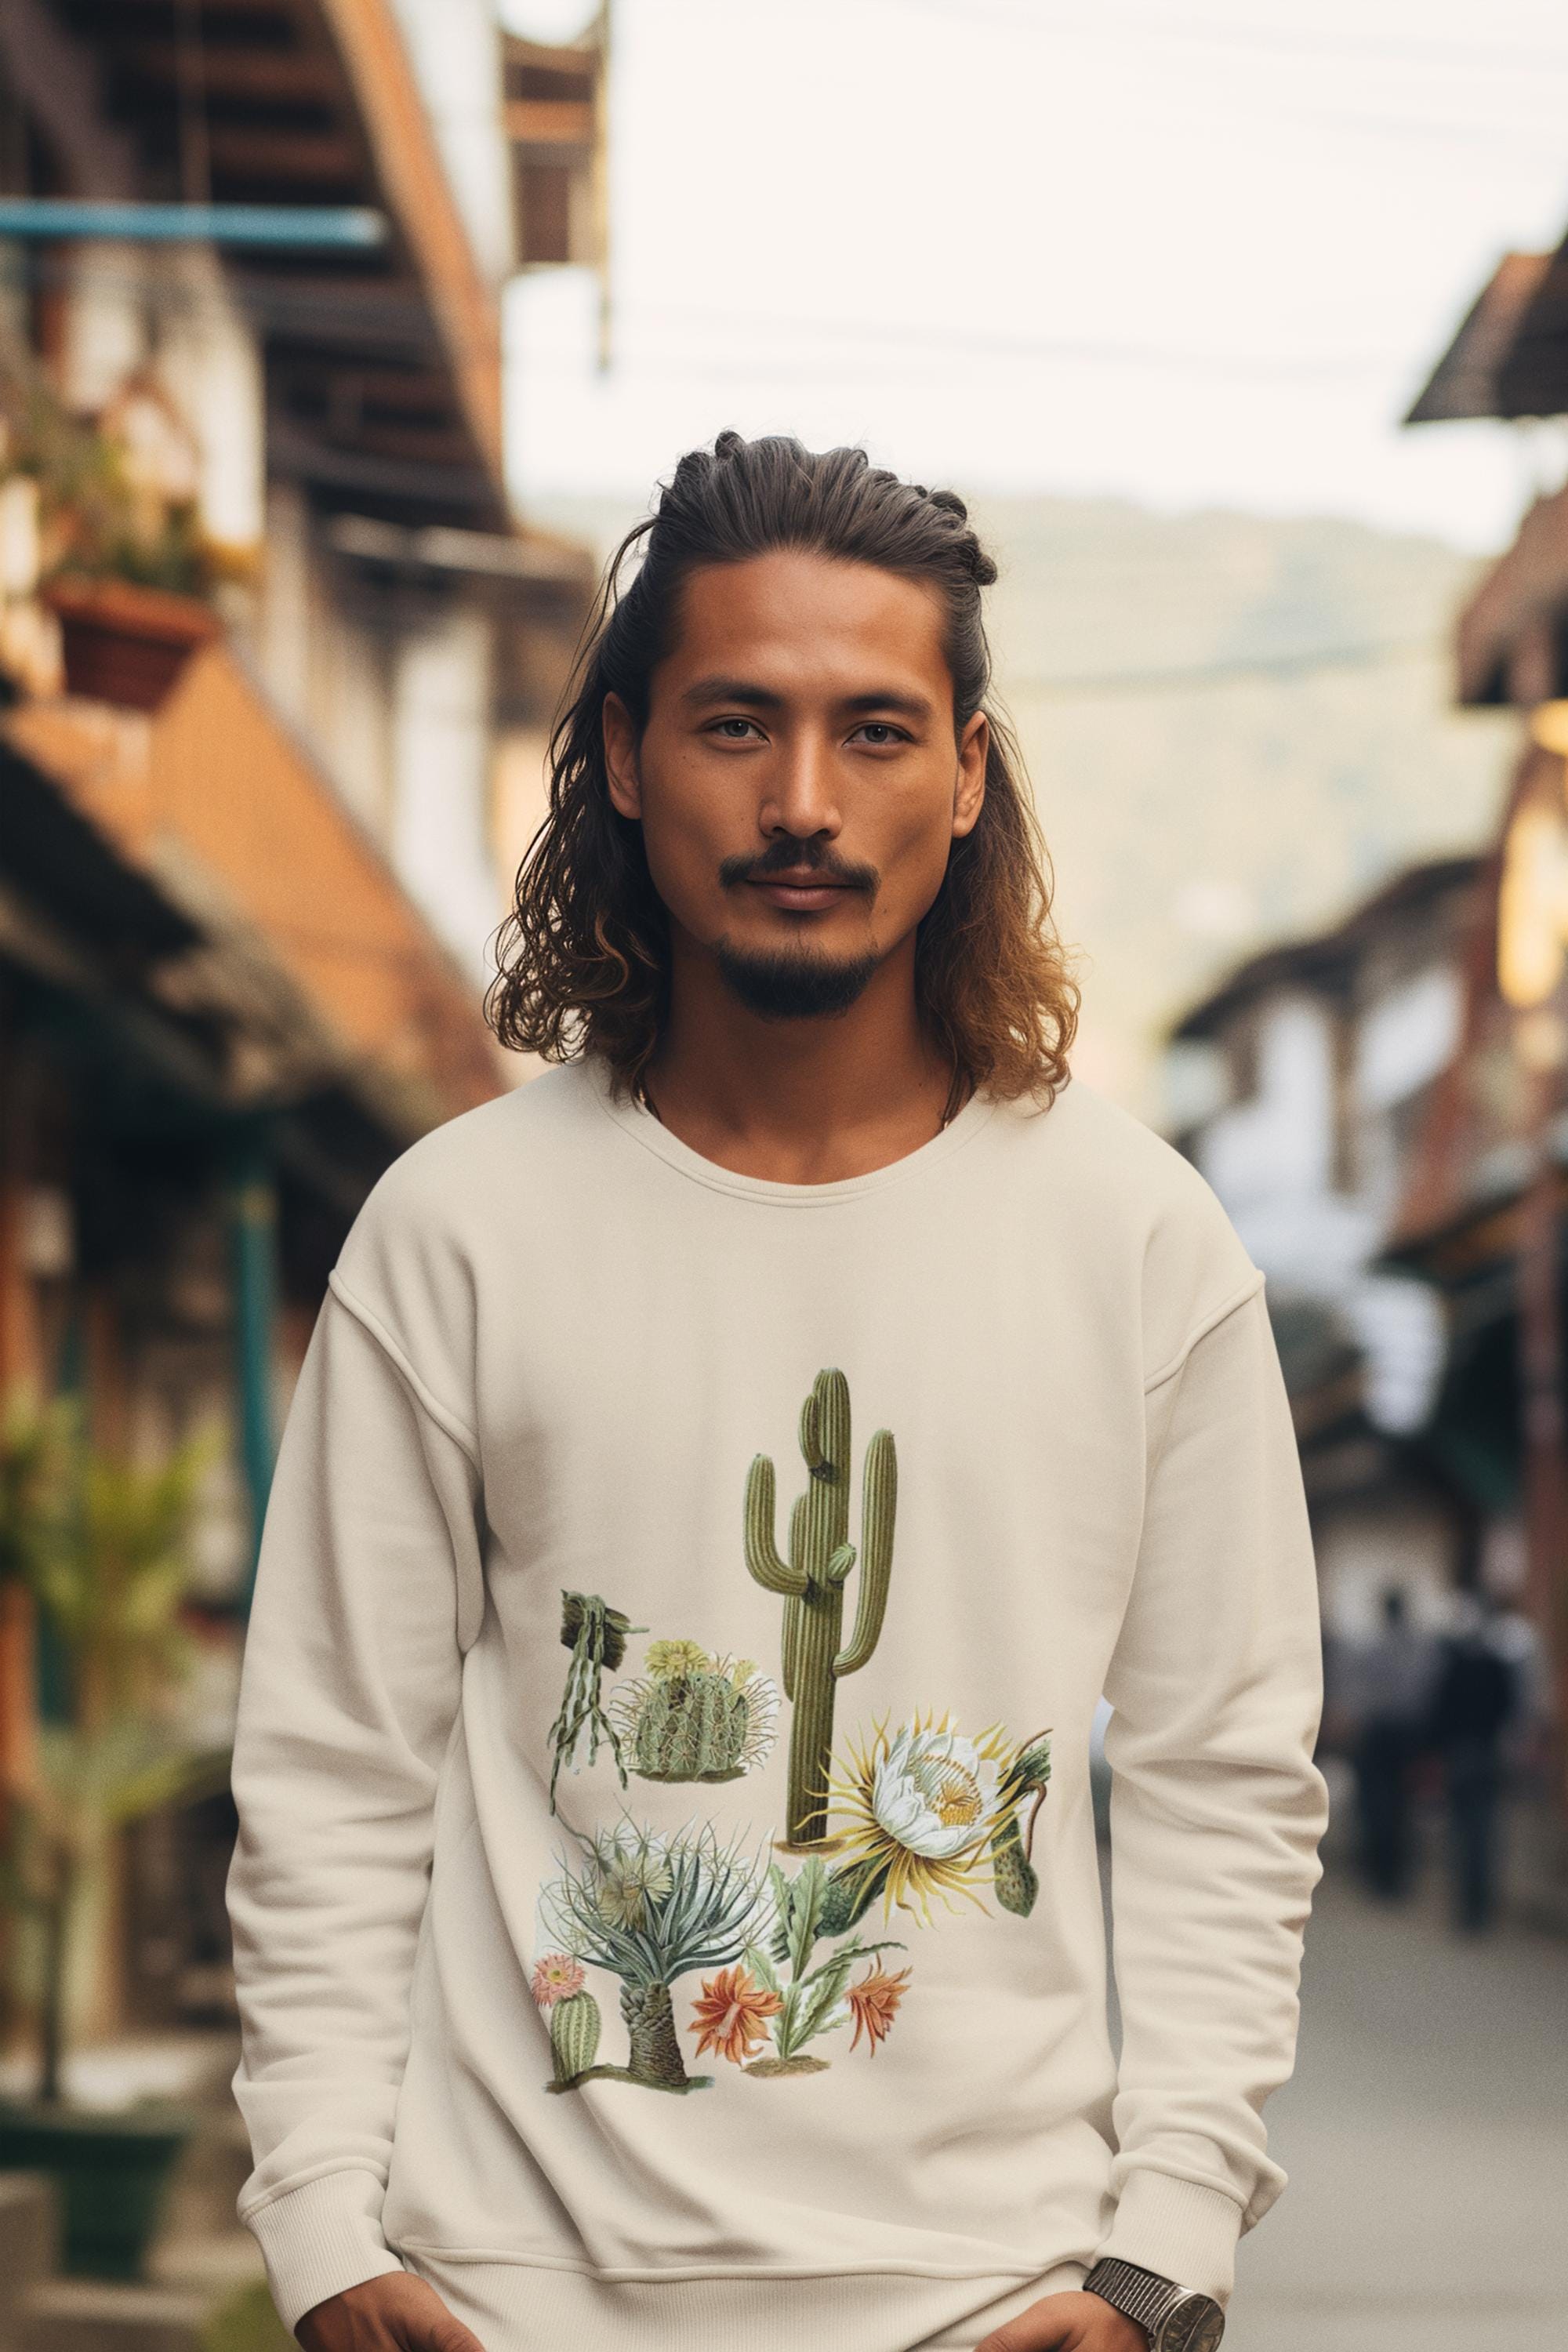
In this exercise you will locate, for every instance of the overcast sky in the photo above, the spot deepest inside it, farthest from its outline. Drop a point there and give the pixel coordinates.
(1187, 251)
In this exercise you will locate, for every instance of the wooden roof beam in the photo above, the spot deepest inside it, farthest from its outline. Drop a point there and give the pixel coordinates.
(241, 71)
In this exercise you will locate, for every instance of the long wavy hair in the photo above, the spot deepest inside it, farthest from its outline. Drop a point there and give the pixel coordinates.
(584, 958)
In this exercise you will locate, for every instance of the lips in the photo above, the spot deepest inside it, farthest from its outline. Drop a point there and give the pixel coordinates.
(800, 891)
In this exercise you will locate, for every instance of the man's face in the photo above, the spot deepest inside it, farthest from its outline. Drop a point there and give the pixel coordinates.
(798, 783)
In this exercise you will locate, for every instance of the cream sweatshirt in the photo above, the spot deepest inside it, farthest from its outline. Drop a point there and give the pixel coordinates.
(665, 1905)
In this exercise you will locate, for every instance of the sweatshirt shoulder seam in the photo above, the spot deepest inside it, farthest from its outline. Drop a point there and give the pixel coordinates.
(1201, 1329)
(441, 1414)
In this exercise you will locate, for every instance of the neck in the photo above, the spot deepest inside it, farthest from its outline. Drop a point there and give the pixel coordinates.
(803, 1102)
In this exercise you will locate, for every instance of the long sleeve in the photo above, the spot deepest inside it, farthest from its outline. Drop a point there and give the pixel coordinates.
(1216, 1806)
(366, 1587)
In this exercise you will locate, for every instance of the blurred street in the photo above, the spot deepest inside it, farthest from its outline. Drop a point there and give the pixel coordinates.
(1425, 2140)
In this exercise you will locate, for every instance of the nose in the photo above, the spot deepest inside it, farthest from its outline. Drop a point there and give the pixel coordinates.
(801, 796)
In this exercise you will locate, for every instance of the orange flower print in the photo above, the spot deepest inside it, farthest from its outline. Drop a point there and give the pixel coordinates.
(875, 2001)
(730, 2013)
(555, 1975)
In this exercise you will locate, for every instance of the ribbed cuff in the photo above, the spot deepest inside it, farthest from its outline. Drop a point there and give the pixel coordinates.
(320, 2238)
(1177, 2228)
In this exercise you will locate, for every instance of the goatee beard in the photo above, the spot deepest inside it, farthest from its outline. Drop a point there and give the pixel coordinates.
(792, 983)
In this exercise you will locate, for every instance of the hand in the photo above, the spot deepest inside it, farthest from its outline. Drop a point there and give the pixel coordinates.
(1067, 2323)
(393, 2312)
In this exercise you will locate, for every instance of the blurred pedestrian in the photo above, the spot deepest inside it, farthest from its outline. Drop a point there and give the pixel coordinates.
(1475, 1702)
(1391, 1681)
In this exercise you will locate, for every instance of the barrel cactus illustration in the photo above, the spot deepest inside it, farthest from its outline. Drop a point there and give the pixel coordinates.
(575, 2025)
(812, 1583)
(694, 1717)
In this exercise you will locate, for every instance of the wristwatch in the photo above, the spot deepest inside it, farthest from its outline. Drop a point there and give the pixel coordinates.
(1174, 2318)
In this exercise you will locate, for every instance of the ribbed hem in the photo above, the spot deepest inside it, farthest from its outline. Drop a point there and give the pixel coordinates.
(531, 2307)
(320, 2238)
(1179, 2228)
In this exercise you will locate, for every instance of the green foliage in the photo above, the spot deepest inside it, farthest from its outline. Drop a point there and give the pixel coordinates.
(694, 1717)
(650, 1907)
(574, 2024)
(95, 522)
(102, 1544)
(247, 2321)
(596, 1636)
(812, 1580)
(1016, 1879)
(810, 1990)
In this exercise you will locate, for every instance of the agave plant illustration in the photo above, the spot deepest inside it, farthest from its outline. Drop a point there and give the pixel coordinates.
(693, 1716)
(928, 1813)
(650, 1907)
(798, 1997)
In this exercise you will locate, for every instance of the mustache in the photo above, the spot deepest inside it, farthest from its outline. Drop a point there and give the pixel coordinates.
(785, 853)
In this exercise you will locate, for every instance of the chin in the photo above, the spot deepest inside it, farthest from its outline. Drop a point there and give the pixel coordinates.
(798, 983)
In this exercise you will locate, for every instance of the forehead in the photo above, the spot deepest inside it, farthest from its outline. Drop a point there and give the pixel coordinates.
(808, 625)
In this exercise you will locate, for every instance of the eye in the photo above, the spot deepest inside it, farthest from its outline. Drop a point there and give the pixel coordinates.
(880, 734)
(734, 730)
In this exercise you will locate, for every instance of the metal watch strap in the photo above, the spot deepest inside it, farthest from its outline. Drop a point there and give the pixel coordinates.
(1143, 2296)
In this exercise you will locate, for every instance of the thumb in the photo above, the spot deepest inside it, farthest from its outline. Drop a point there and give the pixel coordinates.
(445, 2332)
(431, 2327)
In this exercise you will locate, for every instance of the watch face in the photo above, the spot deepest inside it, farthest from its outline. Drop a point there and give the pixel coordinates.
(1194, 2325)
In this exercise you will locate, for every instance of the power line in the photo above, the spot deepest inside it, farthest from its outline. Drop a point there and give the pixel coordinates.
(1206, 32)
(1014, 347)
(1172, 681)
(1101, 28)
(386, 314)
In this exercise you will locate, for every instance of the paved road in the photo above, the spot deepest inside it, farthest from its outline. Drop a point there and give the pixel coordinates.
(1426, 2135)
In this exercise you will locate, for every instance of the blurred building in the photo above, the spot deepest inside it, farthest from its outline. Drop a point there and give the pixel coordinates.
(1384, 1109)
(276, 657)
(1298, 1087)
(1484, 1213)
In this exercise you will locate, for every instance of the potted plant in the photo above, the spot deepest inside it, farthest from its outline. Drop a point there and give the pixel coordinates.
(123, 564)
(103, 1544)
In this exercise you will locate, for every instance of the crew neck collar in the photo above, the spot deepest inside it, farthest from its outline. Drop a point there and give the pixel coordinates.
(638, 1122)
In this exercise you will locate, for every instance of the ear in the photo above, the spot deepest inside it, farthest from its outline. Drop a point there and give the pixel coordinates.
(621, 757)
(974, 749)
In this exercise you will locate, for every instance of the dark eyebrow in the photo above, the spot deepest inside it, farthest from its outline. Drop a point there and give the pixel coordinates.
(709, 690)
(731, 689)
(912, 706)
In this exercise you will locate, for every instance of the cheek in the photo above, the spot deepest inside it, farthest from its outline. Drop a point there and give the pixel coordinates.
(913, 839)
(687, 831)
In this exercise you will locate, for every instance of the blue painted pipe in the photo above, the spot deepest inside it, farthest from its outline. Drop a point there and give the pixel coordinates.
(331, 227)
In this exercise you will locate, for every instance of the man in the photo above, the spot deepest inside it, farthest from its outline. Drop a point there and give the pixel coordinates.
(1475, 1703)
(1391, 1679)
(725, 1476)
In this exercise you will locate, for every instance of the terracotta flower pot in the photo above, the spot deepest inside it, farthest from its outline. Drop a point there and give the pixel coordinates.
(123, 643)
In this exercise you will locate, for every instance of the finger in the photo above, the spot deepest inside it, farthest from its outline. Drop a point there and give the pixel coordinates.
(1045, 2325)
(438, 2331)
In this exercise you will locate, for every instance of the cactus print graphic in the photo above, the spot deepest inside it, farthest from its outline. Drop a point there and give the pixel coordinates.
(812, 1581)
(650, 1907)
(732, 2014)
(928, 1813)
(920, 1816)
(596, 1636)
(695, 1717)
(809, 1995)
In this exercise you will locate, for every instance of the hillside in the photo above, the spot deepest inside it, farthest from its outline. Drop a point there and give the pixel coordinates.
(1198, 805)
